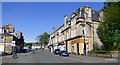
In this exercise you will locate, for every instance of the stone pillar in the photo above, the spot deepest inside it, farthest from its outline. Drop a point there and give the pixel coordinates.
(75, 48)
(81, 48)
(69, 47)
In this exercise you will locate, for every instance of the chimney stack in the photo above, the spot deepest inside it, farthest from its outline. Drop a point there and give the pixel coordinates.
(53, 30)
(65, 19)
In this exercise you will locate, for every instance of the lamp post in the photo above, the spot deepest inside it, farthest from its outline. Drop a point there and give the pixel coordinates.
(86, 51)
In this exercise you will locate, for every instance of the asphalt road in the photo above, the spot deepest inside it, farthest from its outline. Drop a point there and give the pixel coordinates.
(39, 57)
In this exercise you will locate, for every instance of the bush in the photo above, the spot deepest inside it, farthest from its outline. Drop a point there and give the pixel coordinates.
(99, 51)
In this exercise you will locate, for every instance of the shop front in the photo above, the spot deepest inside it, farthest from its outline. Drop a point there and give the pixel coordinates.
(50, 48)
(62, 46)
(76, 46)
(55, 46)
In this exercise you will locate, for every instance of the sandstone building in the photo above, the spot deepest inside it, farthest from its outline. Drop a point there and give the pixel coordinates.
(9, 34)
(70, 36)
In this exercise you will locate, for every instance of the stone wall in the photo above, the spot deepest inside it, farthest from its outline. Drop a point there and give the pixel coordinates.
(112, 55)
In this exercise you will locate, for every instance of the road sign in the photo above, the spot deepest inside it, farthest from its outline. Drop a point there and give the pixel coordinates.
(86, 39)
(13, 43)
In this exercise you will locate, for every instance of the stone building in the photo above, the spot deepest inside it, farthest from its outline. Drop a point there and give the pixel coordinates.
(8, 35)
(70, 36)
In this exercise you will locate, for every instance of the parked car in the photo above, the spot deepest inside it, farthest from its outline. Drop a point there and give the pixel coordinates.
(63, 53)
(56, 51)
(26, 50)
(31, 49)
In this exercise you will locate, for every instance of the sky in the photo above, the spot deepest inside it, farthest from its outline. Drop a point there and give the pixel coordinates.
(35, 18)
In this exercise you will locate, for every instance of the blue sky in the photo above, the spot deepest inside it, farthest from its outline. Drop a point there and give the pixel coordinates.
(35, 18)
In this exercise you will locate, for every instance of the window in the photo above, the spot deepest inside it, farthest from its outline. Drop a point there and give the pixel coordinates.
(37, 45)
(1, 39)
(71, 33)
(74, 32)
(72, 22)
(68, 35)
(80, 14)
(56, 39)
(63, 36)
(60, 38)
(2, 30)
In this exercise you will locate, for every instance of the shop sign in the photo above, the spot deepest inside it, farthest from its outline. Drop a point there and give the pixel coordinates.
(81, 40)
(86, 40)
(62, 43)
(55, 44)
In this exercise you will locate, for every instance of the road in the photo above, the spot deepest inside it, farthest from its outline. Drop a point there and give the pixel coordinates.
(49, 57)
(39, 57)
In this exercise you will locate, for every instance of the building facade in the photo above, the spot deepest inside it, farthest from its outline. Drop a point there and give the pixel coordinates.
(70, 36)
(9, 34)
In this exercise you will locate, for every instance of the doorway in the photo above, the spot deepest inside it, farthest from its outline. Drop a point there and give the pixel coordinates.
(77, 48)
(72, 48)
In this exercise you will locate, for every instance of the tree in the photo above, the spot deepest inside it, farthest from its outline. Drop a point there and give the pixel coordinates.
(43, 39)
(110, 26)
(28, 44)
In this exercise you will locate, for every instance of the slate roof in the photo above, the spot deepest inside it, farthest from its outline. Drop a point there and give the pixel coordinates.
(94, 14)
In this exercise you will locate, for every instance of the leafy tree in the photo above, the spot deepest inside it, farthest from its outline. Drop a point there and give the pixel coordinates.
(36, 43)
(43, 39)
(110, 26)
(28, 44)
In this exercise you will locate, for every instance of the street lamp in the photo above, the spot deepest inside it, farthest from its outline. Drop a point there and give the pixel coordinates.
(86, 51)
(84, 25)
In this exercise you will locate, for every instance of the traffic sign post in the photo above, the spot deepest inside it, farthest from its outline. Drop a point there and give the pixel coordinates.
(13, 45)
(86, 40)
(86, 44)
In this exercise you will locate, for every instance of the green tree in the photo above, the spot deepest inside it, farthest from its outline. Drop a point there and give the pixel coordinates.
(36, 43)
(43, 39)
(28, 44)
(110, 26)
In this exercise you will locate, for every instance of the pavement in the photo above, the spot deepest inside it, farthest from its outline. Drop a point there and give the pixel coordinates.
(43, 56)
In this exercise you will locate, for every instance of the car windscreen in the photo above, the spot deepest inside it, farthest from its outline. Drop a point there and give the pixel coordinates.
(57, 50)
(63, 51)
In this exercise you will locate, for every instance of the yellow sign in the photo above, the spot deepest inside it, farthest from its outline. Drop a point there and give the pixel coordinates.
(80, 40)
